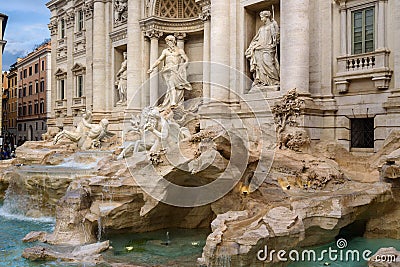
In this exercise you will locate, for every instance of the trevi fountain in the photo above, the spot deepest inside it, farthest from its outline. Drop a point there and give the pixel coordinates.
(180, 188)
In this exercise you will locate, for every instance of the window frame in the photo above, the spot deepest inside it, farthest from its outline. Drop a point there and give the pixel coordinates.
(80, 25)
(363, 30)
(351, 8)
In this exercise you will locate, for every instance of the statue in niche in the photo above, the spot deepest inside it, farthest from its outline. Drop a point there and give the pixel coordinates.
(156, 134)
(262, 52)
(120, 11)
(173, 73)
(121, 83)
(77, 136)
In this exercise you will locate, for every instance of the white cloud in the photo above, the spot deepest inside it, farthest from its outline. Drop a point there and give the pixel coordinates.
(23, 39)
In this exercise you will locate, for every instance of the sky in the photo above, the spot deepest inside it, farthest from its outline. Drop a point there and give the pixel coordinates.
(26, 27)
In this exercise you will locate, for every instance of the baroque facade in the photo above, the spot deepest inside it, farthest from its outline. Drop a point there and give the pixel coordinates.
(342, 56)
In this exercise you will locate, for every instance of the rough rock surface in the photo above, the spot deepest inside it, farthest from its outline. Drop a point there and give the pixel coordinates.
(304, 200)
(89, 254)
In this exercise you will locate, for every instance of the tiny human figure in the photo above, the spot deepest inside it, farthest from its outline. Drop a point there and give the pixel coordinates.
(173, 73)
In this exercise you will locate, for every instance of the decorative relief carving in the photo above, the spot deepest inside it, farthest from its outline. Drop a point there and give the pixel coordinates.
(53, 27)
(153, 34)
(120, 12)
(205, 12)
(176, 9)
(70, 18)
(169, 25)
(118, 35)
(88, 9)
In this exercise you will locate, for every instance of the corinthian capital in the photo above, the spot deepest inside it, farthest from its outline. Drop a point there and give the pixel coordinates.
(153, 34)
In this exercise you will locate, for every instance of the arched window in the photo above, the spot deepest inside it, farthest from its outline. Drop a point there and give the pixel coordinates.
(177, 9)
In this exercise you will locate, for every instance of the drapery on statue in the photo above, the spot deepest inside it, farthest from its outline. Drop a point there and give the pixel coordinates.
(80, 131)
(156, 133)
(121, 83)
(174, 73)
(262, 52)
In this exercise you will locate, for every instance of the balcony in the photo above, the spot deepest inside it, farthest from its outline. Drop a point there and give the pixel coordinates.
(373, 65)
(78, 102)
(60, 104)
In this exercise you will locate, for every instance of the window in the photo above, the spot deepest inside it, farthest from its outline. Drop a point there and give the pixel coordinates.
(363, 35)
(79, 86)
(30, 108)
(42, 106)
(62, 28)
(42, 85)
(36, 126)
(30, 71)
(25, 73)
(30, 89)
(36, 67)
(24, 91)
(19, 127)
(61, 95)
(362, 133)
(24, 110)
(42, 64)
(36, 107)
(80, 21)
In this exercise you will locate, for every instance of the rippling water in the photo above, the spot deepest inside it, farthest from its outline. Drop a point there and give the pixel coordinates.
(150, 249)
(12, 229)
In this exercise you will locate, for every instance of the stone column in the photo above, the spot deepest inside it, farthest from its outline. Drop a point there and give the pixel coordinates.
(154, 36)
(99, 50)
(381, 38)
(89, 27)
(205, 16)
(69, 87)
(180, 40)
(220, 47)
(343, 29)
(295, 45)
(134, 55)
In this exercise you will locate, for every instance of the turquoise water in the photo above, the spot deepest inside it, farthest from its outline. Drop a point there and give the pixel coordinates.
(184, 246)
(12, 229)
(150, 249)
(360, 244)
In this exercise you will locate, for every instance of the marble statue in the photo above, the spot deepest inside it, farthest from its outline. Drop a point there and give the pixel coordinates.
(156, 133)
(173, 73)
(86, 134)
(262, 52)
(121, 83)
(97, 132)
(120, 10)
(80, 132)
